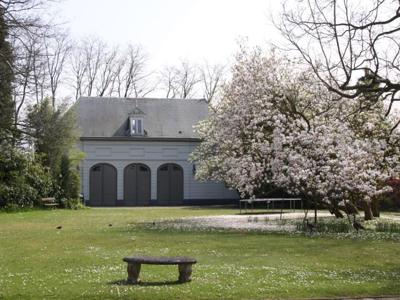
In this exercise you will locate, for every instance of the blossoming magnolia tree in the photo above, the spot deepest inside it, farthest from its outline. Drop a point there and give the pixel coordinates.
(276, 126)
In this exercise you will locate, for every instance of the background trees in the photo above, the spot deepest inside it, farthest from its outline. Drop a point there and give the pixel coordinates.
(52, 132)
(32, 61)
(325, 131)
(43, 71)
(187, 80)
(6, 71)
(46, 63)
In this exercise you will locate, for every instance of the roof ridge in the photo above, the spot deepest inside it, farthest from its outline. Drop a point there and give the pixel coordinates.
(186, 100)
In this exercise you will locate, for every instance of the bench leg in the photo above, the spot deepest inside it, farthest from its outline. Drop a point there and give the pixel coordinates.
(185, 272)
(133, 273)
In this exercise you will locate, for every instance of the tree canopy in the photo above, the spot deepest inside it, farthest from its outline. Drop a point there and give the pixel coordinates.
(278, 126)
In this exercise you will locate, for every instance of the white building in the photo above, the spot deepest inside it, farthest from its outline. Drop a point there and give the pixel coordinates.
(137, 153)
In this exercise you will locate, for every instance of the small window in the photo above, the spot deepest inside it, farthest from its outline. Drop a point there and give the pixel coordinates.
(136, 126)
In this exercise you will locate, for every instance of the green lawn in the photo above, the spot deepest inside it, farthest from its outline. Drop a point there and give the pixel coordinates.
(84, 259)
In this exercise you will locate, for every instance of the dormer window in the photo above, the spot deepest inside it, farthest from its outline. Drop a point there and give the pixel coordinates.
(136, 122)
(136, 126)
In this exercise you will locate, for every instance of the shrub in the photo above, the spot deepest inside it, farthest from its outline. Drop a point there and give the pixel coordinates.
(13, 207)
(388, 227)
(73, 203)
(19, 193)
(69, 179)
(40, 179)
(23, 181)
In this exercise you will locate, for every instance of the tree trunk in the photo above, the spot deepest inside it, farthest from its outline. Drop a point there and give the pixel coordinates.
(375, 208)
(315, 212)
(338, 214)
(350, 208)
(367, 210)
(336, 210)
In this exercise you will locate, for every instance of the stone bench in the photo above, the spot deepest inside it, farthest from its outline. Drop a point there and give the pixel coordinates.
(184, 266)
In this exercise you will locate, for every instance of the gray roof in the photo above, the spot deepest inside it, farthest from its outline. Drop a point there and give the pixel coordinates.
(101, 117)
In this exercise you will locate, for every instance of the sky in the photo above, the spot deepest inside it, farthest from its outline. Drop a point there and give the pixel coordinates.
(174, 30)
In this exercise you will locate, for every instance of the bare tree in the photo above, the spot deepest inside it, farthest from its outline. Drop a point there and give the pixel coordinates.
(25, 31)
(29, 68)
(116, 87)
(211, 78)
(38, 67)
(352, 46)
(23, 15)
(93, 51)
(57, 49)
(78, 69)
(39, 75)
(106, 70)
(133, 78)
(168, 80)
(23, 71)
(99, 70)
(188, 78)
(180, 81)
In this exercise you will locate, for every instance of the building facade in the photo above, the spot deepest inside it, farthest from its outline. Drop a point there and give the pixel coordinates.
(137, 153)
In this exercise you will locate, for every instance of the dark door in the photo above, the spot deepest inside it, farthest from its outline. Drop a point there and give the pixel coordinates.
(137, 182)
(95, 185)
(163, 194)
(170, 184)
(103, 185)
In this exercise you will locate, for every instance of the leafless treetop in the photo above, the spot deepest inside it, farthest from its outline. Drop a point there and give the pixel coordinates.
(352, 46)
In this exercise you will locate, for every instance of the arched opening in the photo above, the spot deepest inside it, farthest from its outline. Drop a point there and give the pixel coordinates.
(103, 185)
(170, 184)
(137, 185)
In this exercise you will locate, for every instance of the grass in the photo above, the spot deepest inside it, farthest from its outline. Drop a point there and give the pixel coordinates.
(83, 260)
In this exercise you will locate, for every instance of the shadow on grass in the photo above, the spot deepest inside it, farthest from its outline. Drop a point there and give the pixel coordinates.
(147, 283)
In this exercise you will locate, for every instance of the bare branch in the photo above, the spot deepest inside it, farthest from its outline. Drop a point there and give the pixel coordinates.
(211, 78)
(180, 81)
(352, 47)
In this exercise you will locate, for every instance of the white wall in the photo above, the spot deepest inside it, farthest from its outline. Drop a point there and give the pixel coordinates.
(153, 154)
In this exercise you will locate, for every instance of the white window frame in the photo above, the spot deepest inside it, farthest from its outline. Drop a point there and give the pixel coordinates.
(135, 131)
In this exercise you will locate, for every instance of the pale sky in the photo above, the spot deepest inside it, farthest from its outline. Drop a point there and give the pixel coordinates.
(172, 30)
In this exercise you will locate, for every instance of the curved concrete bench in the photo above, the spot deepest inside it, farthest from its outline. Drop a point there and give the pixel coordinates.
(184, 266)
